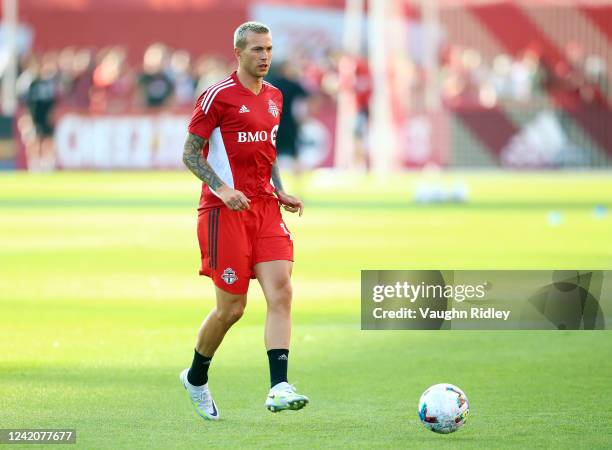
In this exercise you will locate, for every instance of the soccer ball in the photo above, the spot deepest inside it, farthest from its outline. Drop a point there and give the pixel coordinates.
(443, 408)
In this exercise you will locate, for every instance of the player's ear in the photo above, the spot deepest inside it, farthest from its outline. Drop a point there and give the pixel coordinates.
(237, 51)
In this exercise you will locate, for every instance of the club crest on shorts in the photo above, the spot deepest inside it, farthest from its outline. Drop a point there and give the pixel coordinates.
(229, 276)
(272, 108)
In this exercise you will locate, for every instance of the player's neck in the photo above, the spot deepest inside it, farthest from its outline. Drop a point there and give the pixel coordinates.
(250, 82)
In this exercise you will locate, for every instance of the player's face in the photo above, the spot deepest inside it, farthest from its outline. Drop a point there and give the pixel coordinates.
(256, 56)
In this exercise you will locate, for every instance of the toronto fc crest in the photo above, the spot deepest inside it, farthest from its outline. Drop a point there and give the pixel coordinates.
(272, 108)
(229, 276)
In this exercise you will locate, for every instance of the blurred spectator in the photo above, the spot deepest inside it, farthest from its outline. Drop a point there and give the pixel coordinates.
(363, 92)
(40, 99)
(293, 112)
(314, 139)
(82, 78)
(29, 69)
(469, 80)
(64, 68)
(183, 81)
(595, 72)
(210, 70)
(155, 85)
(500, 76)
(112, 81)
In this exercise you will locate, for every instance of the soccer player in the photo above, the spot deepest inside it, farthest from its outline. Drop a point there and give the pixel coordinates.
(231, 147)
(293, 95)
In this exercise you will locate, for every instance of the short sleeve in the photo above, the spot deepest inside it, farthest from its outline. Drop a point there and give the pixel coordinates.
(205, 117)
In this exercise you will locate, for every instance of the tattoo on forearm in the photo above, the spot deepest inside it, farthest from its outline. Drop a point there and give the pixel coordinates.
(195, 161)
(278, 185)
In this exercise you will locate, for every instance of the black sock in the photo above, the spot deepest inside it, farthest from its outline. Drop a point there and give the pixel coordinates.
(198, 374)
(278, 359)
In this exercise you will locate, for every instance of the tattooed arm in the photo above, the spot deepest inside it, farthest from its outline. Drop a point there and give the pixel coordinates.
(289, 202)
(195, 161)
(276, 180)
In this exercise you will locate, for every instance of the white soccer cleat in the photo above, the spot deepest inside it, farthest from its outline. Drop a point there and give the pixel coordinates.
(200, 398)
(283, 396)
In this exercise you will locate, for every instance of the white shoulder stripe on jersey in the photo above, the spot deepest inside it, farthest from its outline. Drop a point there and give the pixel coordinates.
(212, 97)
(211, 92)
(210, 88)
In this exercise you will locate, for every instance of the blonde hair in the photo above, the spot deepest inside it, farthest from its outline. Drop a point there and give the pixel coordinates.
(240, 35)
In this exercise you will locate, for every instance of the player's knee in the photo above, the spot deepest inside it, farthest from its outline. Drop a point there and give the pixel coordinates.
(230, 314)
(281, 296)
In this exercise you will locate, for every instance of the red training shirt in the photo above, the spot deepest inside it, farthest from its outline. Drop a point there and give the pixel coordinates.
(241, 129)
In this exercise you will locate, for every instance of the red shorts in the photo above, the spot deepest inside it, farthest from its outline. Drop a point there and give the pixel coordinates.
(232, 242)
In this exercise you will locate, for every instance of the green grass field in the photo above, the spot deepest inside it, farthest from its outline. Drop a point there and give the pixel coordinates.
(100, 302)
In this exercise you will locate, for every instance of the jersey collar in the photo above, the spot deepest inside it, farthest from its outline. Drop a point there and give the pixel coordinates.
(238, 83)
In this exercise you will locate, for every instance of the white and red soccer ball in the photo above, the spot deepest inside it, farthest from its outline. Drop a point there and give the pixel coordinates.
(443, 408)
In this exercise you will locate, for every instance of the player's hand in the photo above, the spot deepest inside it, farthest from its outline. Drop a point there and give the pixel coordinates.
(233, 199)
(290, 203)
